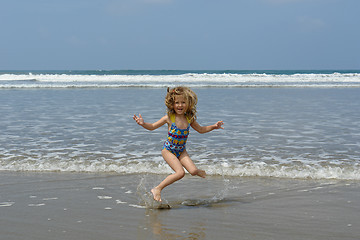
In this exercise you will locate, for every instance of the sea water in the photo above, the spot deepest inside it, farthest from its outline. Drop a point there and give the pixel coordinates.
(277, 124)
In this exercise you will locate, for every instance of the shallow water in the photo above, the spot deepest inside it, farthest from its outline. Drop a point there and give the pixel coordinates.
(283, 132)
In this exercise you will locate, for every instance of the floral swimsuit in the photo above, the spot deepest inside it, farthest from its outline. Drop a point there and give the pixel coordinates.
(176, 140)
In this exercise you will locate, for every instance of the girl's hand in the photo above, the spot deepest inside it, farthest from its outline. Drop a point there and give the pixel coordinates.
(218, 125)
(139, 120)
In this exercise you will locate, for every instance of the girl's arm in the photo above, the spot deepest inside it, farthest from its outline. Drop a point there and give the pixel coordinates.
(204, 129)
(150, 126)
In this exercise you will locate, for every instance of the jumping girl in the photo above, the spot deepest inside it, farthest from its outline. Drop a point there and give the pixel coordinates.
(181, 114)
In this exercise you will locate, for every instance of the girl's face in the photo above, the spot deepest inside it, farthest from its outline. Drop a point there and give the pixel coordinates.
(180, 105)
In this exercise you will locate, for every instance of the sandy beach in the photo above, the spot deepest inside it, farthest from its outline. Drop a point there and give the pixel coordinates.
(98, 206)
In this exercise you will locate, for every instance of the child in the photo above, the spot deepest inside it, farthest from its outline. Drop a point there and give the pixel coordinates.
(181, 114)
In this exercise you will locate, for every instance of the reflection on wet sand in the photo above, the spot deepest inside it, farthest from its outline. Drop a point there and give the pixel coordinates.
(166, 230)
(172, 223)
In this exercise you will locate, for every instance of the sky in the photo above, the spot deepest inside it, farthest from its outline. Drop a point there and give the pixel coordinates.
(179, 34)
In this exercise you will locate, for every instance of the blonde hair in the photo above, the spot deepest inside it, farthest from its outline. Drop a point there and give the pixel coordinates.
(190, 98)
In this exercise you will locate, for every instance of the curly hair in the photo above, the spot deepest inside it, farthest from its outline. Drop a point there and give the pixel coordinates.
(190, 97)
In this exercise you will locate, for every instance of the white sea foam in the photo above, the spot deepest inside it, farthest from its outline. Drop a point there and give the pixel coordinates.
(36, 204)
(6, 204)
(254, 169)
(136, 206)
(191, 79)
(104, 197)
(52, 198)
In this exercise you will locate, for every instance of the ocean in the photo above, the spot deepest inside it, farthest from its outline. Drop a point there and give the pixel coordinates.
(281, 124)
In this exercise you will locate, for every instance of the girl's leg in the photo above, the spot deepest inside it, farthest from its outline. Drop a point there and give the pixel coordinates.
(175, 164)
(190, 166)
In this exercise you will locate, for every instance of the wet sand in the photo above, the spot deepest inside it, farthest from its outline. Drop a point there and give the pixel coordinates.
(105, 206)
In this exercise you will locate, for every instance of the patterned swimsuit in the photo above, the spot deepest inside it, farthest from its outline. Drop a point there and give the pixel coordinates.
(176, 139)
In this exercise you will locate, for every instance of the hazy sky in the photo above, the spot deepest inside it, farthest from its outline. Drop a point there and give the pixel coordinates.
(179, 34)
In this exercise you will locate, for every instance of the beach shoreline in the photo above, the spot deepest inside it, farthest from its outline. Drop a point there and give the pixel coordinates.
(74, 165)
(111, 206)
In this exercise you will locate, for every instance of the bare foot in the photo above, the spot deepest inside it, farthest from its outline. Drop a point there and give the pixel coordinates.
(201, 173)
(156, 194)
